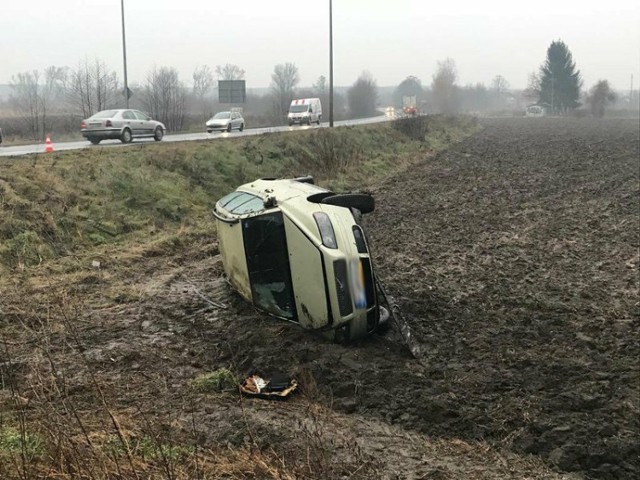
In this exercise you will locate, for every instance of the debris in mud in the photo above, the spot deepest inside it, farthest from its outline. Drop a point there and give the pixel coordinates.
(279, 385)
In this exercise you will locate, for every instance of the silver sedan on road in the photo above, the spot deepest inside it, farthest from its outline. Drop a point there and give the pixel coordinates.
(225, 121)
(123, 125)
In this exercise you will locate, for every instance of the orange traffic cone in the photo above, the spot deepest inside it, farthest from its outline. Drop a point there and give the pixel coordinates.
(48, 145)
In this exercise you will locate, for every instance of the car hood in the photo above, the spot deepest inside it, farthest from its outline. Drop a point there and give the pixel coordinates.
(218, 121)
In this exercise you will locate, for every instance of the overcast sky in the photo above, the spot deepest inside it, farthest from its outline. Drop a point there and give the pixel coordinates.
(390, 38)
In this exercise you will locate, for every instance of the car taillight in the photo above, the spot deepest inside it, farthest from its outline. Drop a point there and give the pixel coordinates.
(83, 125)
(108, 123)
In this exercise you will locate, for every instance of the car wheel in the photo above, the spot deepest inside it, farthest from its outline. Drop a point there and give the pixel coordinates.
(241, 127)
(361, 201)
(95, 141)
(126, 136)
(229, 128)
(158, 134)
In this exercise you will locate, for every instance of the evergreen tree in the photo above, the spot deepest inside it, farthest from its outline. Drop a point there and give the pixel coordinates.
(560, 82)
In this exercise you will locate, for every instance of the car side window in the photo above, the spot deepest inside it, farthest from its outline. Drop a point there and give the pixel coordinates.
(128, 115)
(140, 115)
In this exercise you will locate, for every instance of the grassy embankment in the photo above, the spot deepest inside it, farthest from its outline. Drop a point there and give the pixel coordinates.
(99, 201)
(128, 208)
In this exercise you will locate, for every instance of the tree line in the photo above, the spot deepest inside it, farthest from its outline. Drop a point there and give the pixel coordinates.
(37, 98)
(40, 99)
(557, 86)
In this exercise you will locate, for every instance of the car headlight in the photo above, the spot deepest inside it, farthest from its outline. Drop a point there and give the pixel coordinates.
(326, 229)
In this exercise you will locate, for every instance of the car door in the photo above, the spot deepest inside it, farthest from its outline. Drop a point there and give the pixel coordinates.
(146, 125)
(130, 120)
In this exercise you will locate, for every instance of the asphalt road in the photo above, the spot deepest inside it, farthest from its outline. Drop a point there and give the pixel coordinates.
(19, 150)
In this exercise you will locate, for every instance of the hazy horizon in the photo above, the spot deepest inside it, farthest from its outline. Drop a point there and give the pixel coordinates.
(390, 40)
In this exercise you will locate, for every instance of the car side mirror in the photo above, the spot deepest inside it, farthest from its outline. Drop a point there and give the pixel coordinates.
(148, 117)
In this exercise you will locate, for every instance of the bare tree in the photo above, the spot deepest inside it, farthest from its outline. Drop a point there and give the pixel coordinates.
(164, 97)
(320, 87)
(91, 87)
(284, 79)
(25, 99)
(33, 100)
(443, 87)
(362, 96)
(202, 85)
(229, 71)
(499, 89)
(599, 97)
(499, 85)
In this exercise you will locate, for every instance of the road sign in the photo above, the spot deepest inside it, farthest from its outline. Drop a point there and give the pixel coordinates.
(232, 91)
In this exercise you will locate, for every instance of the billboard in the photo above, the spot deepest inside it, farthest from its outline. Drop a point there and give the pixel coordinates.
(231, 91)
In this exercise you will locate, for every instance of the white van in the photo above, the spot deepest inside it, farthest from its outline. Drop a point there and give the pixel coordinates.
(305, 110)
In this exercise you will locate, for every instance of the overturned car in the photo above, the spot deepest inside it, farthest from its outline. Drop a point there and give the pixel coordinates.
(297, 252)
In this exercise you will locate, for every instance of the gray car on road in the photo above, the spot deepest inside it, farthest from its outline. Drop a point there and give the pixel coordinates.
(122, 124)
(225, 121)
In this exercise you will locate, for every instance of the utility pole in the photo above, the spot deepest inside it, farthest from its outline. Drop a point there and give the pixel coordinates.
(631, 92)
(124, 55)
(331, 63)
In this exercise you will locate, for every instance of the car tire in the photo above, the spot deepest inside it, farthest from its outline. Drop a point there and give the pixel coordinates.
(241, 127)
(360, 201)
(209, 131)
(94, 140)
(126, 136)
(229, 128)
(158, 134)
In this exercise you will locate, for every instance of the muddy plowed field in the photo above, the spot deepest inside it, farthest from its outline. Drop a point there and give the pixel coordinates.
(514, 258)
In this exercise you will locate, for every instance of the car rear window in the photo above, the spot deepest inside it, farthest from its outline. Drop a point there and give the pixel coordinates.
(106, 114)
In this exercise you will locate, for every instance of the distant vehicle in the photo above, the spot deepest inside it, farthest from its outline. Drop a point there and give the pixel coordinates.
(122, 124)
(297, 252)
(535, 111)
(225, 121)
(409, 105)
(305, 110)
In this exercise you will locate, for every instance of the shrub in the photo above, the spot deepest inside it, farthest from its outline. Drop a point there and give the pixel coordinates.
(217, 381)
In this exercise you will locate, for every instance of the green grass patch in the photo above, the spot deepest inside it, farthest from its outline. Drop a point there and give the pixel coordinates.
(14, 443)
(217, 381)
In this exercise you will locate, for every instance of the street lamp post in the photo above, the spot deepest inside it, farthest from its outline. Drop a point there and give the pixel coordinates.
(124, 55)
(331, 63)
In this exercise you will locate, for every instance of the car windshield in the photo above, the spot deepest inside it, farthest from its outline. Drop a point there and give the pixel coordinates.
(220, 115)
(106, 114)
(298, 108)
